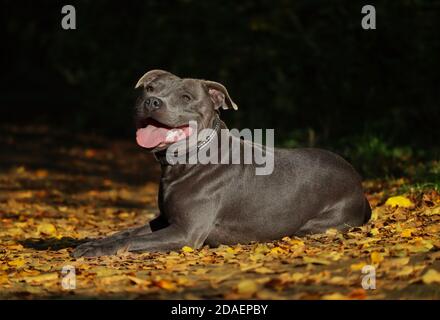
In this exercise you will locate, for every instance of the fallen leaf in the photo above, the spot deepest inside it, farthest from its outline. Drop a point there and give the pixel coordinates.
(431, 276)
(200, 271)
(278, 251)
(315, 260)
(376, 257)
(396, 262)
(399, 201)
(432, 211)
(334, 296)
(4, 279)
(247, 287)
(187, 249)
(42, 278)
(165, 284)
(41, 173)
(17, 263)
(407, 233)
(357, 266)
(261, 249)
(263, 270)
(47, 229)
(406, 271)
(358, 294)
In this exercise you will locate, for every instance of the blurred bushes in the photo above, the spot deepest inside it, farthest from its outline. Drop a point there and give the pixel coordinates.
(374, 156)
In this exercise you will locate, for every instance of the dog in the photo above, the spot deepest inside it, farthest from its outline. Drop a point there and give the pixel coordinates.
(309, 190)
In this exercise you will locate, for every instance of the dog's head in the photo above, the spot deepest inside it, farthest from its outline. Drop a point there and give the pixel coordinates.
(167, 103)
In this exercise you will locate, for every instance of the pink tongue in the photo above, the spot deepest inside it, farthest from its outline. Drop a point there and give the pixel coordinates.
(152, 136)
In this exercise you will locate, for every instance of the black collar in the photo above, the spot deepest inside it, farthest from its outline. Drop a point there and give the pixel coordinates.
(161, 155)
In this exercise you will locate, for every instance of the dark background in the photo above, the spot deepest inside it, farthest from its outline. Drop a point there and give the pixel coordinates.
(305, 68)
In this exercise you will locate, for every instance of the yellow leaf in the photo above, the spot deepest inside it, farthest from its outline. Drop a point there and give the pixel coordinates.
(431, 276)
(20, 170)
(15, 247)
(376, 257)
(339, 281)
(295, 242)
(432, 211)
(357, 266)
(138, 281)
(333, 255)
(17, 263)
(247, 267)
(434, 228)
(295, 277)
(374, 231)
(334, 296)
(314, 260)
(277, 251)
(42, 278)
(407, 233)
(183, 281)
(399, 201)
(24, 195)
(125, 215)
(230, 250)
(247, 287)
(331, 232)
(165, 284)
(375, 213)
(397, 262)
(4, 279)
(420, 245)
(406, 271)
(263, 270)
(187, 249)
(200, 271)
(105, 272)
(15, 231)
(84, 266)
(47, 229)
(111, 280)
(44, 267)
(261, 248)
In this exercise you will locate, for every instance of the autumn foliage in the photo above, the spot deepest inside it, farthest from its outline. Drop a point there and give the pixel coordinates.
(56, 196)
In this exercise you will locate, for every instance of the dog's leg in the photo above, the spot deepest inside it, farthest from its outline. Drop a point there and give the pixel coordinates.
(167, 239)
(154, 225)
(125, 234)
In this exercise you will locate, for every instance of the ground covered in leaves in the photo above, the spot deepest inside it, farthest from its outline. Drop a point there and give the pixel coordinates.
(56, 189)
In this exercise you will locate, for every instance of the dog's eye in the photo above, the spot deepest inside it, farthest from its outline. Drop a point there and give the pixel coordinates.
(186, 97)
(149, 88)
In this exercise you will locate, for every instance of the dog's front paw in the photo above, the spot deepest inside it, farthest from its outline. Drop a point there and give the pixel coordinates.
(97, 249)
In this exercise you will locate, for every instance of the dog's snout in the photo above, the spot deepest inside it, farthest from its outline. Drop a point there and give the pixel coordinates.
(153, 103)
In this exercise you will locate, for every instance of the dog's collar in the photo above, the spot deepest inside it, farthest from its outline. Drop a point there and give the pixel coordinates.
(161, 156)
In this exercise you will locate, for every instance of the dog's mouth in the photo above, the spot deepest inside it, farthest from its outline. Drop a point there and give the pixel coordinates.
(154, 134)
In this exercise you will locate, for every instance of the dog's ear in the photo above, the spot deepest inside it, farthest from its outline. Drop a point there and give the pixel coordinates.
(219, 95)
(150, 76)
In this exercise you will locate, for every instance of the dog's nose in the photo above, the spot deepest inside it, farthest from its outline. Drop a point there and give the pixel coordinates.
(153, 103)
